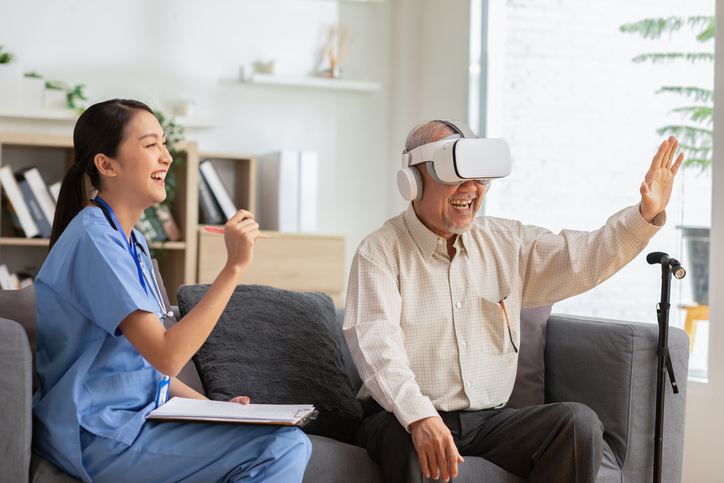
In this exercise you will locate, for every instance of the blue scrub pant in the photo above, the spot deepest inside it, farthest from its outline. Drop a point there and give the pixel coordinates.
(199, 452)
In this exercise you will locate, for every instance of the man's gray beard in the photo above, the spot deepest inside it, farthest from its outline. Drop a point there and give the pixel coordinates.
(458, 230)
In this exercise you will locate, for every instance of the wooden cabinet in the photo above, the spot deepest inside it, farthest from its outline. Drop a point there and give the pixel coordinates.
(290, 261)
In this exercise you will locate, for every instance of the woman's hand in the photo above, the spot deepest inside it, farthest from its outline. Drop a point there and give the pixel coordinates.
(241, 400)
(240, 233)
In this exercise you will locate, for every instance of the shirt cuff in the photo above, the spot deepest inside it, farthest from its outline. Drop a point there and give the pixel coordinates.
(637, 225)
(414, 410)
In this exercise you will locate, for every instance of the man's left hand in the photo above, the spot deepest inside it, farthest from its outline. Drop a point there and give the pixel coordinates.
(656, 188)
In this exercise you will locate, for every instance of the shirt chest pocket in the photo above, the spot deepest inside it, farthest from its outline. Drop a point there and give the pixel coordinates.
(500, 328)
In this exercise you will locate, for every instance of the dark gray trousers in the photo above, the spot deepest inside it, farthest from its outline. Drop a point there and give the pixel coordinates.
(561, 442)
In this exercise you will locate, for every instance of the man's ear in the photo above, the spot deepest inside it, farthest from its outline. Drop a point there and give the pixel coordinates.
(105, 165)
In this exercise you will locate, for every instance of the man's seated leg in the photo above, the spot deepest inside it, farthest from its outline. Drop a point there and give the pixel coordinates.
(555, 442)
(390, 446)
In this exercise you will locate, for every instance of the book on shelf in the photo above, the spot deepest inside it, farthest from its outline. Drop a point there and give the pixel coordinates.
(40, 191)
(34, 207)
(209, 211)
(217, 188)
(55, 190)
(287, 200)
(18, 211)
(170, 227)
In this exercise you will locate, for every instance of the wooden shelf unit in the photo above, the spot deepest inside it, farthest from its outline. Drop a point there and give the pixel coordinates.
(290, 261)
(52, 155)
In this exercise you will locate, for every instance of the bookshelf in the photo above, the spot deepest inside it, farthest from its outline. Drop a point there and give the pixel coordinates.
(52, 155)
(290, 261)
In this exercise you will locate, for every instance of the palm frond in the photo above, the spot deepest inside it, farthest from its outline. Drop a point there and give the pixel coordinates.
(708, 32)
(702, 114)
(653, 27)
(699, 94)
(661, 58)
(688, 135)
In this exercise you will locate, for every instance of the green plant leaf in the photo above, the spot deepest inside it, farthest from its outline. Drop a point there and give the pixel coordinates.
(653, 27)
(661, 58)
(174, 134)
(699, 94)
(701, 114)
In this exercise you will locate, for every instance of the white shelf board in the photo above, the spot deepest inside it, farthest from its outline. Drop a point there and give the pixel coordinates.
(41, 114)
(309, 81)
(69, 115)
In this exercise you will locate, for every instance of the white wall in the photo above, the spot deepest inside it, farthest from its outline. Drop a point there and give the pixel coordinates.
(165, 51)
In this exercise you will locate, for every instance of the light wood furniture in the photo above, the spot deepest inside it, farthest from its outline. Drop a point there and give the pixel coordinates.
(291, 261)
(694, 313)
(288, 261)
(52, 155)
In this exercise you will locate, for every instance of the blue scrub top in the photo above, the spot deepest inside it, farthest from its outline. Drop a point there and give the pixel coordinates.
(90, 375)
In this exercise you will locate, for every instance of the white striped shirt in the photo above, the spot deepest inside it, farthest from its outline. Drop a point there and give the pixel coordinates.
(428, 333)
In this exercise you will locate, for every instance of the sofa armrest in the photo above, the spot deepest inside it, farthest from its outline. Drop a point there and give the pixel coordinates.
(16, 409)
(611, 367)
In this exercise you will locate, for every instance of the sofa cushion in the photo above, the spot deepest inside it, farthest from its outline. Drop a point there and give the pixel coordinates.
(278, 346)
(19, 305)
(188, 374)
(529, 388)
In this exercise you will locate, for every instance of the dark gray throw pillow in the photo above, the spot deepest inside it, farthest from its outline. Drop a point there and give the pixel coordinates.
(529, 389)
(278, 347)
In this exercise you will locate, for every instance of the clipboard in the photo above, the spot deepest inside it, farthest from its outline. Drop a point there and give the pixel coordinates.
(185, 409)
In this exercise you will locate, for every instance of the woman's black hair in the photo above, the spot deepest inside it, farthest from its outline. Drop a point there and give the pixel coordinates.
(99, 130)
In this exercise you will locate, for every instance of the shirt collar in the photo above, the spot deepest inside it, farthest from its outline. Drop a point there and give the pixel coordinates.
(425, 239)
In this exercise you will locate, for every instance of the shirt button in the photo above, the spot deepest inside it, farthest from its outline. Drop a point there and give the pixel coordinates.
(452, 265)
(467, 384)
(463, 344)
(458, 305)
(440, 241)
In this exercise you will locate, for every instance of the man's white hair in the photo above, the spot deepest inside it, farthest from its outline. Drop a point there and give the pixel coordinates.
(427, 132)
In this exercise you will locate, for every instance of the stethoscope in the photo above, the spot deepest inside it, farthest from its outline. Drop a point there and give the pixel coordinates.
(133, 249)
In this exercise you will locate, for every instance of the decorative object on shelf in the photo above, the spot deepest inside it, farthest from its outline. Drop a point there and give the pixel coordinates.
(184, 108)
(336, 38)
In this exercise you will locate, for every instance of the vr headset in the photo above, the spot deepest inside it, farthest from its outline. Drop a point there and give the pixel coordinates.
(454, 160)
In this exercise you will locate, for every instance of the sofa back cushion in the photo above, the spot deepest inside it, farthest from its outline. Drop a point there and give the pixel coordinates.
(278, 347)
(19, 305)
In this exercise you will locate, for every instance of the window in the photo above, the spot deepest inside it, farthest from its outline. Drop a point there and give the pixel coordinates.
(581, 119)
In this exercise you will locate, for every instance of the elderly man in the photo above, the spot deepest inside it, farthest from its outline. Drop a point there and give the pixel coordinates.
(432, 321)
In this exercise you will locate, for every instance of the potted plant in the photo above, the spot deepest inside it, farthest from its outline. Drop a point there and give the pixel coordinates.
(696, 136)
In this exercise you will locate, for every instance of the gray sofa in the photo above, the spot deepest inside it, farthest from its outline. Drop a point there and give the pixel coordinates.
(610, 366)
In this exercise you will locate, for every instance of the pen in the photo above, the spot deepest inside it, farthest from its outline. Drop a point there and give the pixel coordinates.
(217, 229)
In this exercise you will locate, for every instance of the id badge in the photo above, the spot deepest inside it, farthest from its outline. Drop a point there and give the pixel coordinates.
(162, 393)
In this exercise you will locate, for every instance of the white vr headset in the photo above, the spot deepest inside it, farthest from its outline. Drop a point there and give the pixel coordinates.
(454, 160)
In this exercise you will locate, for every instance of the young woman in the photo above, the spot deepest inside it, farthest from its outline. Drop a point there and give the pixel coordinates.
(104, 356)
